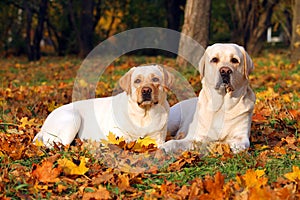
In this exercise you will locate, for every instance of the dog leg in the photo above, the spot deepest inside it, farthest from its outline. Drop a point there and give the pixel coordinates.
(61, 126)
(181, 116)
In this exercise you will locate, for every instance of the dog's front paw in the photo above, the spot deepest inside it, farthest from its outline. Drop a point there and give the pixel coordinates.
(169, 146)
(239, 146)
(177, 146)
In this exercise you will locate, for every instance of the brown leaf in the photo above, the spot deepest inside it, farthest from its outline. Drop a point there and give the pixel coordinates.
(100, 193)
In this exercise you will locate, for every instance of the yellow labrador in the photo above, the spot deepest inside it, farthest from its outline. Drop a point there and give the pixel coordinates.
(223, 110)
(140, 111)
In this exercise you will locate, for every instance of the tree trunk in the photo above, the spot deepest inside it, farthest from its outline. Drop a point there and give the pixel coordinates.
(174, 13)
(196, 26)
(295, 43)
(251, 19)
(86, 28)
(38, 35)
(33, 40)
(29, 49)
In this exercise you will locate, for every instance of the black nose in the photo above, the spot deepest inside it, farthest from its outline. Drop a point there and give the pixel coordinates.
(146, 90)
(146, 93)
(225, 70)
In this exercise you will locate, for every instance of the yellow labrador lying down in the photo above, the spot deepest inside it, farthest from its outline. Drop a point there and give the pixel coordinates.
(223, 110)
(140, 111)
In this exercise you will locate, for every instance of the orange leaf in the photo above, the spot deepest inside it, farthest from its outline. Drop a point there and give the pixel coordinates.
(255, 178)
(280, 150)
(123, 182)
(260, 193)
(45, 172)
(257, 117)
(215, 186)
(184, 192)
(293, 176)
(100, 193)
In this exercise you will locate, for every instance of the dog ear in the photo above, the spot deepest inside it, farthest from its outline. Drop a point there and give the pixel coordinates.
(248, 64)
(168, 79)
(125, 81)
(202, 65)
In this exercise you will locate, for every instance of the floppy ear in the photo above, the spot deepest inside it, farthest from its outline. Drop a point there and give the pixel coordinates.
(125, 81)
(202, 65)
(168, 79)
(248, 64)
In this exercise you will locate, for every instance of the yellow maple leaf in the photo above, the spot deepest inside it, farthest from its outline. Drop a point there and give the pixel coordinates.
(52, 106)
(39, 143)
(24, 121)
(70, 168)
(260, 172)
(146, 141)
(293, 176)
(112, 139)
(254, 178)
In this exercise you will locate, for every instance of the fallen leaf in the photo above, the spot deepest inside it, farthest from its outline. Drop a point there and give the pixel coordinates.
(70, 168)
(45, 172)
(123, 182)
(112, 139)
(100, 193)
(146, 141)
(25, 122)
(293, 176)
(184, 192)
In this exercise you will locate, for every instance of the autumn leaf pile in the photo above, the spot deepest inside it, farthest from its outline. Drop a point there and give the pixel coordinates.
(114, 169)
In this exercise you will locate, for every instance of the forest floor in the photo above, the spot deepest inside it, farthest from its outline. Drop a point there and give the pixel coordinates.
(31, 90)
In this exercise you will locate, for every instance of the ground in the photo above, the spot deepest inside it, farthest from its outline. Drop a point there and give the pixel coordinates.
(31, 90)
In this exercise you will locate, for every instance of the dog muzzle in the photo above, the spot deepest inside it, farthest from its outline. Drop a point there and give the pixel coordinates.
(225, 73)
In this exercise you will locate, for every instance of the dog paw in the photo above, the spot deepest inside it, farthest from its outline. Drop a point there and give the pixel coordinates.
(239, 147)
(169, 146)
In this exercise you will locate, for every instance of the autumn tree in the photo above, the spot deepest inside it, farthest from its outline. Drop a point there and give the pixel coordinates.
(250, 21)
(196, 26)
(295, 44)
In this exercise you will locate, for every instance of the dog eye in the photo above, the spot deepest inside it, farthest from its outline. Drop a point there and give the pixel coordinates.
(214, 60)
(137, 80)
(234, 60)
(155, 79)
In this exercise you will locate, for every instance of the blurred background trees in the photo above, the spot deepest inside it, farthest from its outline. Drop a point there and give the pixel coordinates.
(56, 27)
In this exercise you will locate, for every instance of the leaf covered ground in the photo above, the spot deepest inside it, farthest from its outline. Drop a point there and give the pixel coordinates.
(116, 170)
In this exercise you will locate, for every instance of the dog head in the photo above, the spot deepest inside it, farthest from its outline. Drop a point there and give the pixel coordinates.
(147, 84)
(226, 66)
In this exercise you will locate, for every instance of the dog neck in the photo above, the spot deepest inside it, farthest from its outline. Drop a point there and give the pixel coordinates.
(139, 122)
(216, 98)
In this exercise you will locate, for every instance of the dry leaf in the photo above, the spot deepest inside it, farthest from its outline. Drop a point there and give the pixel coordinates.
(70, 168)
(46, 172)
(293, 176)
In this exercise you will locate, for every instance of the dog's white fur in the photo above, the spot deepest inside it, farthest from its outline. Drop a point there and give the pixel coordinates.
(216, 115)
(127, 114)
